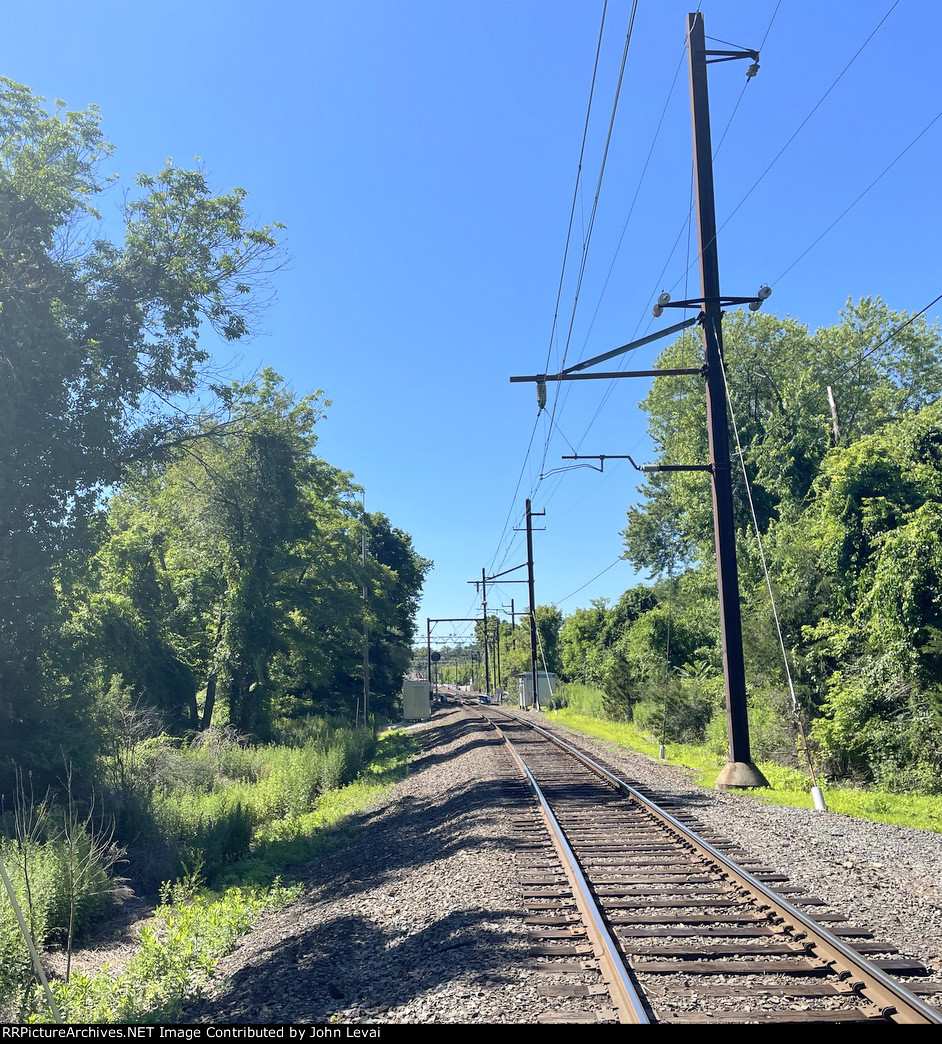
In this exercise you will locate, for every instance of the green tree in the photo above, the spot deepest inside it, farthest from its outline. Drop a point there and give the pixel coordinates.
(874, 529)
(234, 569)
(847, 522)
(395, 576)
(778, 374)
(549, 623)
(581, 647)
(96, 337)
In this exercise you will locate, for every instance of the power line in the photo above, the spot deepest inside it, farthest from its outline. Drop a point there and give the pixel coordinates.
(562, 274)
(592, 216)
(513, 499)
(774, 160)
(801, 126)
(552, 422)
(851, 206)
(575, 191)
(556, 404)
(634, 198)
(586, 241)
(559, 601)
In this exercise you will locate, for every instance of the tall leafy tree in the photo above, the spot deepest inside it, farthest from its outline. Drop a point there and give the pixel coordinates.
(232, 572)
(779, 373)
(96, 336)
(395, 576)
(581, 648)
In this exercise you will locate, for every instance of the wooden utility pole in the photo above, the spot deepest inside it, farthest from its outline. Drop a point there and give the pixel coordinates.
(835, 426)
(739, 770)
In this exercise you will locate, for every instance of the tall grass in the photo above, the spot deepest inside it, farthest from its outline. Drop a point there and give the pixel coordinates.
(215, 794)
(202, 806)
(194, 926)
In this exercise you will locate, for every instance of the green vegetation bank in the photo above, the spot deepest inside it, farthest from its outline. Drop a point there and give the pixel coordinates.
(183, 596)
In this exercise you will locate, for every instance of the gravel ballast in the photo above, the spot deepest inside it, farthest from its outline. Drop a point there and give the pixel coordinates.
(420, 920)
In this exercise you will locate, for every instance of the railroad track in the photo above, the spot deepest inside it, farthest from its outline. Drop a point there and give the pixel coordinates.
(677, 925)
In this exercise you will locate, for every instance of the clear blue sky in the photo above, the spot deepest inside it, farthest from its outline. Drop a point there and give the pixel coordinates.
(423, 157)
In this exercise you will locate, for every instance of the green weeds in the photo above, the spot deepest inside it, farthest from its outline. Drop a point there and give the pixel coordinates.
(176, 955)
(194, 925)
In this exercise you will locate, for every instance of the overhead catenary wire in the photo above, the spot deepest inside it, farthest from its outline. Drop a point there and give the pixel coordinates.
(513, 500)
(553, 421)
(595, 203)
(562, 274)
(535, 485)
(634, 198)
(576, 187)
(688, 224)
(688, 227)
(624, 362)
(802, 125)
(851, 206)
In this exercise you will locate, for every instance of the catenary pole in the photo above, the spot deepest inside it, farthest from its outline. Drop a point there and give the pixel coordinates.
(536, 692)
(487, 665)
(739, 770)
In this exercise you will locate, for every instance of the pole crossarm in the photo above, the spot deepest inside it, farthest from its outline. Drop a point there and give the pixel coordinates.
(539, 378)
(646, 468)
(523, 565)
(565, 375)
(723, 300)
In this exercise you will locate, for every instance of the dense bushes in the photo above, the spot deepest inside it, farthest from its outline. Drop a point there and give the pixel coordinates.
(187, 809)
(212, 795)
(850, 523)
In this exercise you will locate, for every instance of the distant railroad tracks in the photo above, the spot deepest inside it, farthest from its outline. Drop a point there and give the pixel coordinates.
(679, 932)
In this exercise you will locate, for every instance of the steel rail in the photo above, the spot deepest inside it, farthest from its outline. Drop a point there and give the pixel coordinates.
(627, 1000)
(892, 998)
